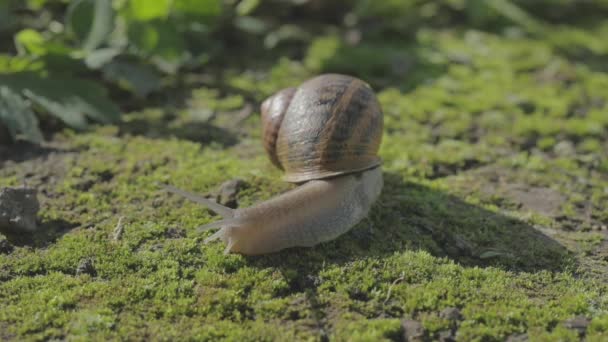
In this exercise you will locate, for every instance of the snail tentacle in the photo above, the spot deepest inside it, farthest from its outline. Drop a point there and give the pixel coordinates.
(222, 234)
(218, 224)
(215, 207)
(215, 236)
(231, 242)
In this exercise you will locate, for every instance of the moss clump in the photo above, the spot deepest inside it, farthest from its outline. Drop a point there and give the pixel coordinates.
(495, 161)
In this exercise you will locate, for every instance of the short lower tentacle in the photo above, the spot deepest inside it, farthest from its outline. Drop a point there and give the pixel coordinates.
(215, 207)
(218, 224)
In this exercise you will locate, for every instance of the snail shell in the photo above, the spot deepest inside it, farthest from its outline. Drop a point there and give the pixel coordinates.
(325, 134)
(330, 125)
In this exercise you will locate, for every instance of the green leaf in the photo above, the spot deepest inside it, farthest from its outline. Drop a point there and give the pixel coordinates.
(30, 41)
(7, 19)
(143, 36)
(11, 64)
(90, 21)
(491, 254)
(251, 25)
(71, 100)
(245, 7)
(203, 8)
(98, 58)
(139, 79)
(171, 45)
(517, 15)
(16, 114)
(79, 17)
(160, 40)
(144, 10)
(36, 4)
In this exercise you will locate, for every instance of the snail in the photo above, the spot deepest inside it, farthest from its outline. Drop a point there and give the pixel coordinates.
(325, 135)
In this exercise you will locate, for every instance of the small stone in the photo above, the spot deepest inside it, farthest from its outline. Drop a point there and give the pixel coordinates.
(446, 336)
(5, 246)
(564, 148)
(156, 247)
(517, 338)
(157, 202)
(451, 314)
(18, 209)
(175, 233)
(86, 266)
(357, 294)
(228, 192)
(412, 330)
(312, 280)
(578, 323)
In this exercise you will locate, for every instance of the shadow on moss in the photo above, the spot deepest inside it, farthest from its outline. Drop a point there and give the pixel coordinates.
(48, 232)
(445, 225)
(158, 125)
(412, 216)
(22, 151)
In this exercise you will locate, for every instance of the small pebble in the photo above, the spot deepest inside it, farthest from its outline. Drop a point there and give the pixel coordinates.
(578, 323)
(175, 233)
(228, 191)
(18, 209)
(451, 314)
(86, 266)
(412, 330)
(5, 246)
(564, 148)
(446, 336)
(517, 338)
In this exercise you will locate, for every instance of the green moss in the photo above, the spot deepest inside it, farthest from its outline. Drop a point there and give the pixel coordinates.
(494, 163)
(369, 330)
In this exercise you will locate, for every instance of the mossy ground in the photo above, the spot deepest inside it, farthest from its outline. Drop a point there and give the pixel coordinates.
(496, 185)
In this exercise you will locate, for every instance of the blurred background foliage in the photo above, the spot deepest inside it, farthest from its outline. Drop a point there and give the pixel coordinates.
(76, 62)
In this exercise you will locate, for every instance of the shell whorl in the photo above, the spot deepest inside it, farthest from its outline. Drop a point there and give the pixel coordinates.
(273, 110)
(330, 125)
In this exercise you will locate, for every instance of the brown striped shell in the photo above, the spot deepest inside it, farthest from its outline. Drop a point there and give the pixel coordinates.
(330, 125)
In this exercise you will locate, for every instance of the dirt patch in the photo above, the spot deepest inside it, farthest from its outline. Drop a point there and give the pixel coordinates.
(441, 170)
(5, 246)
(4, 334)
(595, 262)
(545, 201)
(23, 151)
(579, 324)
(505, 188)
(18, 209)
(41, 169)
(412, 330)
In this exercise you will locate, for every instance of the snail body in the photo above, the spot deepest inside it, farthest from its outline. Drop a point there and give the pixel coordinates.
(325, 135)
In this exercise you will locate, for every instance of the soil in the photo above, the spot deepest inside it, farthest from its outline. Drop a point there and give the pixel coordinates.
(18, 209)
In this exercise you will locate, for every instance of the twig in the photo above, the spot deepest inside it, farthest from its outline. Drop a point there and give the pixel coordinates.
(516, 14)
(119, 229)
(390, 288)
